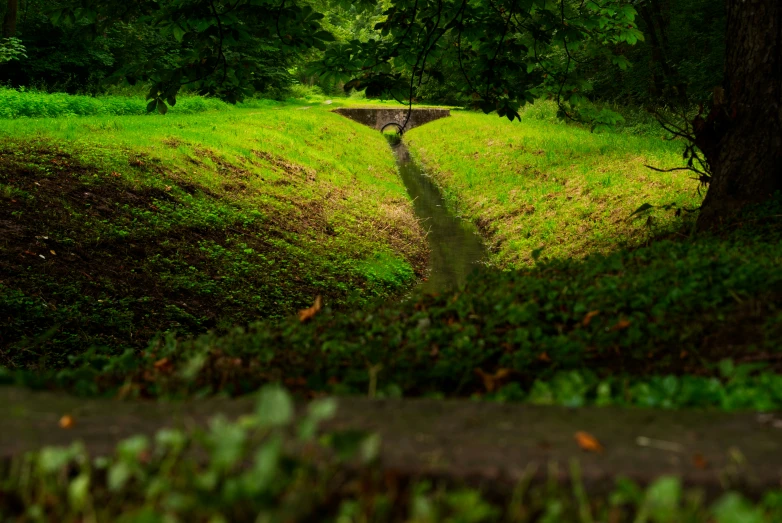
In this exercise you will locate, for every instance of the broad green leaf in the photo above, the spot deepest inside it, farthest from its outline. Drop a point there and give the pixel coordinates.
(274, 407)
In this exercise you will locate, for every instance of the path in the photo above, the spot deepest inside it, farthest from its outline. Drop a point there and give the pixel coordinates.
(478, 441)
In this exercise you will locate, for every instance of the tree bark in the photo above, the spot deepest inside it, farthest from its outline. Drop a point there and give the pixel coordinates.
(11, 15)
(742, 136)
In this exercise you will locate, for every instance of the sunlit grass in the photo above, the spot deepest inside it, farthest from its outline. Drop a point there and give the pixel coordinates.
(289, 156)
(544, 185)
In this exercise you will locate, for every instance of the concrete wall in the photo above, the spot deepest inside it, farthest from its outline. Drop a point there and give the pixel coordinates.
(377, 118)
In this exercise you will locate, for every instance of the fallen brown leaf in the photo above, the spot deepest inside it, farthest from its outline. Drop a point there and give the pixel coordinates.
(66, 422)
(621, 325)
(310, 312)
(588, 442)
(164, 365)
(543, 356)
(588, 317)
(699, 461)
(492, 382)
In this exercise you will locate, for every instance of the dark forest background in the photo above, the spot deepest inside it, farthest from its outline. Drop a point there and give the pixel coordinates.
(681, 58)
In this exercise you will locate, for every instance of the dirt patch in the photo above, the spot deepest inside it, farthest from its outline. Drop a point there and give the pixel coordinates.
(223, 167)
(283, 165)
(173, 142)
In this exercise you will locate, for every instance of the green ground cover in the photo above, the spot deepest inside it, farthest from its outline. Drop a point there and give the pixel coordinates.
(35, 104)
(620, 313)
(677, 307)
(115, 228)
(541, 186)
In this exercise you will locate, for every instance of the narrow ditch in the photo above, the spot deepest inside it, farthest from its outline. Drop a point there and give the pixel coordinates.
(455, 246)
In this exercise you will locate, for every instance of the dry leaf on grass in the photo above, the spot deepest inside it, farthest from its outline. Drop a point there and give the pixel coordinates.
(621, 325)
(588, 442)
(699, 461)
(309, 313)
(164, 365)
(492, 382)
(588, 317)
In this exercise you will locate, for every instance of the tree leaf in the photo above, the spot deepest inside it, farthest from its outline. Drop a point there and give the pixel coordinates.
(178, 32)
(274, 407)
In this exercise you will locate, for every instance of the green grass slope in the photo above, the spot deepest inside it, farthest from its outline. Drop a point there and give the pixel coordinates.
(548, 187)
(619, 313)
(112, 229)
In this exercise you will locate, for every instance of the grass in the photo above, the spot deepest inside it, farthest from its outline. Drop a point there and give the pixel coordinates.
(545, 188)
(114, 229)
(34, 104)
(245, 214)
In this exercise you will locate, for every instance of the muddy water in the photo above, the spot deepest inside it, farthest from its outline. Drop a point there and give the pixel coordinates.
(456, 248)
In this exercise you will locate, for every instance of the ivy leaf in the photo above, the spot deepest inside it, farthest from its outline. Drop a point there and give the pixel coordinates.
(274, 407)
(178, 32)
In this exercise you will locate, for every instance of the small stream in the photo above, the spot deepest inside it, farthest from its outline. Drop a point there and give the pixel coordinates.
(456, 248)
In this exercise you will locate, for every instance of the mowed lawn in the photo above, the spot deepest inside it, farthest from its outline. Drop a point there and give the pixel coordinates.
(552, 189)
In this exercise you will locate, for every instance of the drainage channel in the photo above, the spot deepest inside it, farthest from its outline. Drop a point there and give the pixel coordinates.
(455, 246)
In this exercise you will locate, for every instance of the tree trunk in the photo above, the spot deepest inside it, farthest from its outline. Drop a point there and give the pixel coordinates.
(742, 137)
(11, 15)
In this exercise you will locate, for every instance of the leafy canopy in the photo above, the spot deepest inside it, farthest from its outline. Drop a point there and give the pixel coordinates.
(508, 52)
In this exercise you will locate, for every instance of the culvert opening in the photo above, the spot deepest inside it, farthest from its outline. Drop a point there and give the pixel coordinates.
(392, 132)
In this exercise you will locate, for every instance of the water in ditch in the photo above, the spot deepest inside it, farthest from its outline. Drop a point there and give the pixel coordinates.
(456, 248)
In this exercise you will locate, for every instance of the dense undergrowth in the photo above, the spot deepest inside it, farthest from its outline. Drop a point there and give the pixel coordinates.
(113, 229)
(35, 104)
(677, 307)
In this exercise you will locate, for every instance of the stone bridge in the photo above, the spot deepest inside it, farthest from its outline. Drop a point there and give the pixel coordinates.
(379, 118)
